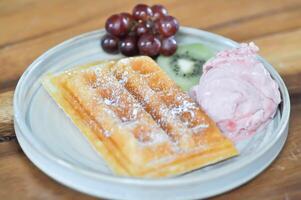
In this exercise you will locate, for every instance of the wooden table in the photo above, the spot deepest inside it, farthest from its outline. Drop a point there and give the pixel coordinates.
(30, 27)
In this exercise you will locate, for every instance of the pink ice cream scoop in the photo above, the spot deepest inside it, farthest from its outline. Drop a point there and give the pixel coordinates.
(237, 92)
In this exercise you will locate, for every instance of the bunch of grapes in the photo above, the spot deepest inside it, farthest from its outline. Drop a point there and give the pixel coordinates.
(147, 31)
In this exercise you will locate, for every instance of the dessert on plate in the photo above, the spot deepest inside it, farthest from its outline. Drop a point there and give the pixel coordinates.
(138, 119)
(150, 120)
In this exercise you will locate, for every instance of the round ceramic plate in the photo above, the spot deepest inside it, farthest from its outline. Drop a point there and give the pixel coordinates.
(57, 147)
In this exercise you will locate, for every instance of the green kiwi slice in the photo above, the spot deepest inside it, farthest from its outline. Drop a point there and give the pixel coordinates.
(186, 65)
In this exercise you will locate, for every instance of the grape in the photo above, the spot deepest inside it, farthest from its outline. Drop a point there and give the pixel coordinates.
(128, 46)
(149, 45)
(149, 24)
(168, 46)
(109, 43)
(158, 11)
(118, 25)
(130, 19)
(143, 28)
(147, 31)
(128, 16)
(142, 12)
(167, 26)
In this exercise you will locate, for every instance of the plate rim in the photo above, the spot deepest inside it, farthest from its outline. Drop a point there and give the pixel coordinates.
(24, 129)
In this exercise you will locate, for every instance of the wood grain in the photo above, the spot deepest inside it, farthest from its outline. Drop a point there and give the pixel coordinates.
(36, 29)
(31, 182)
(6, 113)
(282, 50)
(262, 24)
(30, 27)
(35, 18)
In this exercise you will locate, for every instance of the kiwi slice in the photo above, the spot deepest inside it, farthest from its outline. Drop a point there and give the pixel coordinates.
(186, 65)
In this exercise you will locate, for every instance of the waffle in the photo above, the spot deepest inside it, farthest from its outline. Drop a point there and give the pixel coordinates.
(138, 119)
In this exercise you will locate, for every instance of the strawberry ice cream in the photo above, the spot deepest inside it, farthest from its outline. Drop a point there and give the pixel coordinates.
(237, 92)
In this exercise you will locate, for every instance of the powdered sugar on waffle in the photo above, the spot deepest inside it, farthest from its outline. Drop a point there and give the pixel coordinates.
(154, 135)
(123, 105)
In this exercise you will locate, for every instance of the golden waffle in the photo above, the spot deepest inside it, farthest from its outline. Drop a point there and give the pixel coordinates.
(137, 119)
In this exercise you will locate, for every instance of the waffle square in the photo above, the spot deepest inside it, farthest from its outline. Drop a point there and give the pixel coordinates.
(138, 119)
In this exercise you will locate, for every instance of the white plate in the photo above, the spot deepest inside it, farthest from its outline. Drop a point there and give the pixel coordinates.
(56, 146)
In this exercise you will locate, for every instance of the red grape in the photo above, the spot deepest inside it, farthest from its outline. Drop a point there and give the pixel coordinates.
(168, 46)
(130, 19)
(158, 11)
(143, 28)
(127, 15)
(109, 43)
(142, 12)
(128, 46)
(147, 31)
(149, 45)
(118, 25)
(167, 26)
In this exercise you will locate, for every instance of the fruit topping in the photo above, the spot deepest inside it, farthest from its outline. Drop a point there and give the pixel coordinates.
(168, 46)
(149, 45)
(142, 12)
(159, 11)
(118, 25)
(143, 28)
(147, 31)
(168, 26)
(109, 43)
(186, 64)
(128, 46)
